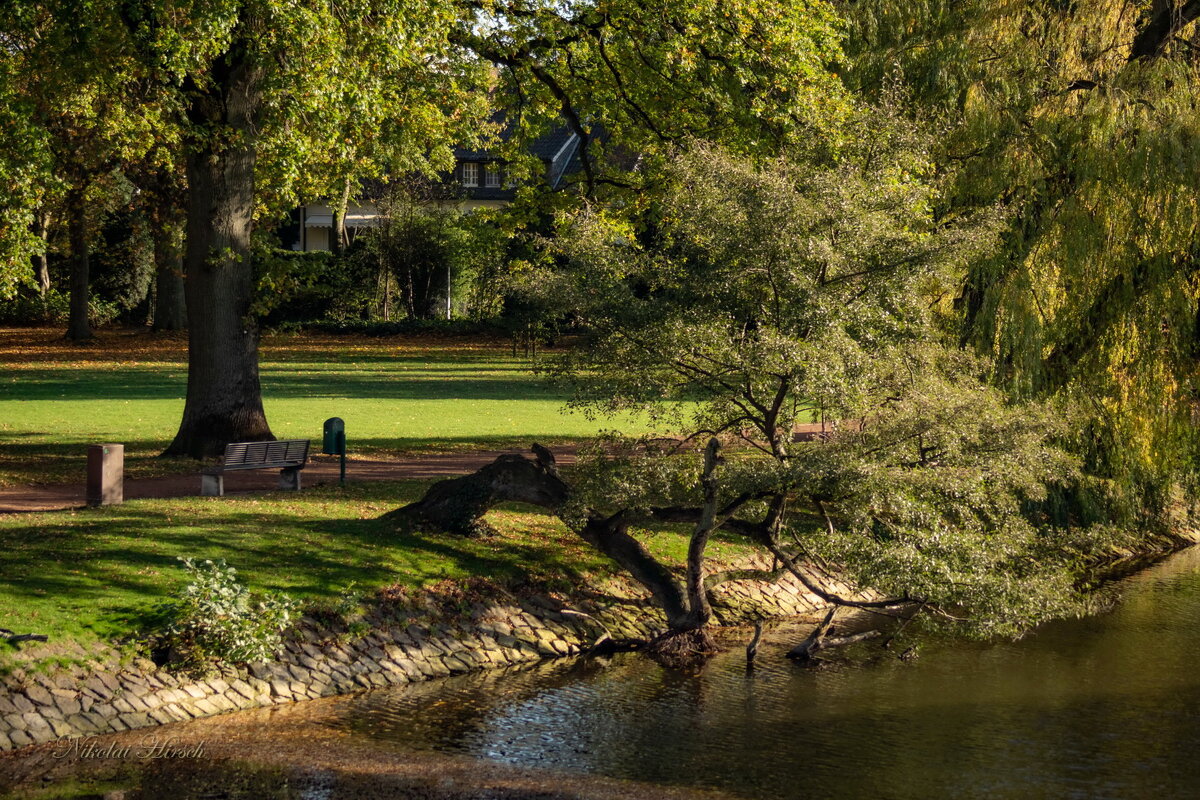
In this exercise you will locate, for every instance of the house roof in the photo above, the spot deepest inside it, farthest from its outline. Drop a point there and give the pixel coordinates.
(547, 147)
(557, 148)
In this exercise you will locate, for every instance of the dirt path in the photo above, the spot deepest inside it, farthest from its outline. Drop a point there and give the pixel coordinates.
(320, 470)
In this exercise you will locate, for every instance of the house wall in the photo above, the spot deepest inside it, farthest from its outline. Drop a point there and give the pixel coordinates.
(317, 239)
(318, 221)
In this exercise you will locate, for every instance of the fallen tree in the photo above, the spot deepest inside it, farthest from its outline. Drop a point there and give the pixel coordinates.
(458, 505)
(821, 639)
(731, 318)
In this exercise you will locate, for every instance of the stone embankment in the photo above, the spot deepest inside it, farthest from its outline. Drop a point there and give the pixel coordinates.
(414, 640)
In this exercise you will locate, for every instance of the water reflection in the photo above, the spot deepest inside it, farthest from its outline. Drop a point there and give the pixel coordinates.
(1100, 707)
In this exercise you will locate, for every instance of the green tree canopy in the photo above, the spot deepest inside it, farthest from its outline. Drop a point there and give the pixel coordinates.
(636, 78)
(272, 88)
(281, 100)
(760, 298)
(79, 107)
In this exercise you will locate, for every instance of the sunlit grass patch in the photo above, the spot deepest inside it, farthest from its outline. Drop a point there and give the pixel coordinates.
(398, 396)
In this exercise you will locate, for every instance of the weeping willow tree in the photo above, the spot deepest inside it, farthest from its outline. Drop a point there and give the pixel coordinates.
(1081, 120)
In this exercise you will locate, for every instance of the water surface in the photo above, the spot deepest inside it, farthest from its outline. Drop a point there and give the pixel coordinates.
(1107, 706)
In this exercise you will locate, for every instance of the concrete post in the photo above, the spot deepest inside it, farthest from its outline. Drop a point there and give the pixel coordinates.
(105, 474)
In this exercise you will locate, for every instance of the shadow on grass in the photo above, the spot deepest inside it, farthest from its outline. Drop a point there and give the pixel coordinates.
(430, 556)
(103, 569)
(282, 381)
(493, 359)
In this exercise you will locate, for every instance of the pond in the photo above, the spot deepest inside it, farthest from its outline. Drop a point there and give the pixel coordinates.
(1107, 706)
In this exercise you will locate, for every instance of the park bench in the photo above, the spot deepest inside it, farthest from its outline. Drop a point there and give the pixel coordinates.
(287, 455)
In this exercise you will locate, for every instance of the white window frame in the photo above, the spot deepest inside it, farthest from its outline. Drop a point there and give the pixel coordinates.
(493, 176)
(470, 174)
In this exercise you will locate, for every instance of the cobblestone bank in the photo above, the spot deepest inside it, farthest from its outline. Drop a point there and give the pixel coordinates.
(414, 641)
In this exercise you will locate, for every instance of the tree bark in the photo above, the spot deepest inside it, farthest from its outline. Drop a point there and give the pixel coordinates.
(610, 535)
(752, 647)
(41, 262)
(170, 310)
(1166, 19)
(699, 610)
(387, 296)
(78, 328)
(820, 639)
(16, 638)
(224, 396)
(457, 505)
(338, 241)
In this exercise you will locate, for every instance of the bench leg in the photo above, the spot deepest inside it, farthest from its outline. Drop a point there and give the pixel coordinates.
(212, 485)
(289, 478)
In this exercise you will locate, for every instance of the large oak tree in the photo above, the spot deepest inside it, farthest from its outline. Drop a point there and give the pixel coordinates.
(264, 78)
(266, 91)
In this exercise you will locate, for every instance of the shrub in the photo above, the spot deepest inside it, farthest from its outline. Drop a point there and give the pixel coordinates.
(215, 618)
(301, 286)
(28, 308)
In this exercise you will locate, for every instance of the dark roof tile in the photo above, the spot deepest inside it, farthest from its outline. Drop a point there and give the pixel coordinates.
(545, 147)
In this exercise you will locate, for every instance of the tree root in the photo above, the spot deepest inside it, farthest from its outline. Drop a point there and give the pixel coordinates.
(677, 649)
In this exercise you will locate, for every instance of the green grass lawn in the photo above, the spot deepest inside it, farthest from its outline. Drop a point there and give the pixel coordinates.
(398, 396)
(85, 576)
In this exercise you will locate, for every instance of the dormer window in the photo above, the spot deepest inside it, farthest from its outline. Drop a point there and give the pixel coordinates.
(491, 176)
(470, 174)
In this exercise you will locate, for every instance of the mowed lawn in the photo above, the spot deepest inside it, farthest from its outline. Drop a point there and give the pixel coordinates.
(90, 576)
(398, 396)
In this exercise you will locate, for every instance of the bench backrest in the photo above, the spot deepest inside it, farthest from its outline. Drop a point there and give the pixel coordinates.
(286, 452)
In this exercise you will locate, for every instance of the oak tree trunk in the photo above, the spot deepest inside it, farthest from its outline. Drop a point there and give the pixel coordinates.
(78, 328)
(224, 397)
